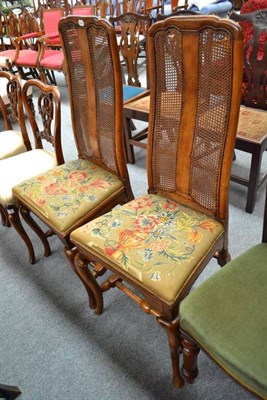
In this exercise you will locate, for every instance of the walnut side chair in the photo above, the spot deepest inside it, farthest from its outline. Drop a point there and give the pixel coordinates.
(160, 242)
(226, 317)
(72, 194)
(14, 139)
(134, 29)
(44, 120)
(252, 128)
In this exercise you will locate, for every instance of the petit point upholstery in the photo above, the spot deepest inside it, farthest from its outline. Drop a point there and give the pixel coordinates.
(77, 191)
(159, 243)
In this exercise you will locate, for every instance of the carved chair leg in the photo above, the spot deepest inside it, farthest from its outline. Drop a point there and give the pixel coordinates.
(35, 227)
(9, 392)
(4, 216)
(16, 223)
(190, 352)
(81, 269)
(172, 329)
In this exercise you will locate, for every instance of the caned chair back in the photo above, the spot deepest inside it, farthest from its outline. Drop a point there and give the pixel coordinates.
(193, 110)
(90, 50)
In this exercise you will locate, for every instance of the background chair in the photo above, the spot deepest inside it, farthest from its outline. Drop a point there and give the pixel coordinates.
(226, 317)
(78, 191)
(134, 29)
(45, 124)
(159, 243)
(27, 45)
(7, 57)
(12, 141)
(252, 129)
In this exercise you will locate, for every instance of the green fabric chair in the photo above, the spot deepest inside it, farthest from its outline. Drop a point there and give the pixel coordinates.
(226, 316)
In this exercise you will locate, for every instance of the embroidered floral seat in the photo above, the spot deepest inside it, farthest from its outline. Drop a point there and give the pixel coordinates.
(69, 192)
(155, 240)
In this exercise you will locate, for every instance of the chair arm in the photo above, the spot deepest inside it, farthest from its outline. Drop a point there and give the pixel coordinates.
(49, 36)
(31, 35)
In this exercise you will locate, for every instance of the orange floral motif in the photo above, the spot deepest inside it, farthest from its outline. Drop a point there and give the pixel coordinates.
(209, 225)
(194, 236)
(146, 223)
(161, 245)
(170, 205)
(77, 176)
(54, 189)
(101, 183)
(140, 203)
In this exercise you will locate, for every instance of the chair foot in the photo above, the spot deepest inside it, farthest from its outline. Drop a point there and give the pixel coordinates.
(9, 392)
(15, 221)
(223, 257)
(190, 353)
(172, 330)
(35, 227)
(81, 269)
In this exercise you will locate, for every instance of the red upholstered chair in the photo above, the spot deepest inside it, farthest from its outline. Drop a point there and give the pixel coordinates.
(7, 57)
(50, 57)
(48, 45)
(81, 9)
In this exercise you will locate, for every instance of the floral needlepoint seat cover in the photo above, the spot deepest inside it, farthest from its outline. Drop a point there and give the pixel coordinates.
(155, 240)
(69, 192)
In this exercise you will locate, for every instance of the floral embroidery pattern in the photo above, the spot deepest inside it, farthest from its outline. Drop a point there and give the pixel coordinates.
(152, 235)
(74, 187)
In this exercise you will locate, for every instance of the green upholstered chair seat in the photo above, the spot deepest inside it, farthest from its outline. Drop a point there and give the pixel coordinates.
(16, 169)
(67, 193)
(156, 241)
(227, 316)
(11, 143)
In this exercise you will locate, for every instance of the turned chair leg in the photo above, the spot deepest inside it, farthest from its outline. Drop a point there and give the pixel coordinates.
(172, 330)
(81, 269)
(14, 219)
(9, 392)
(35, 227)
(190, 353)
